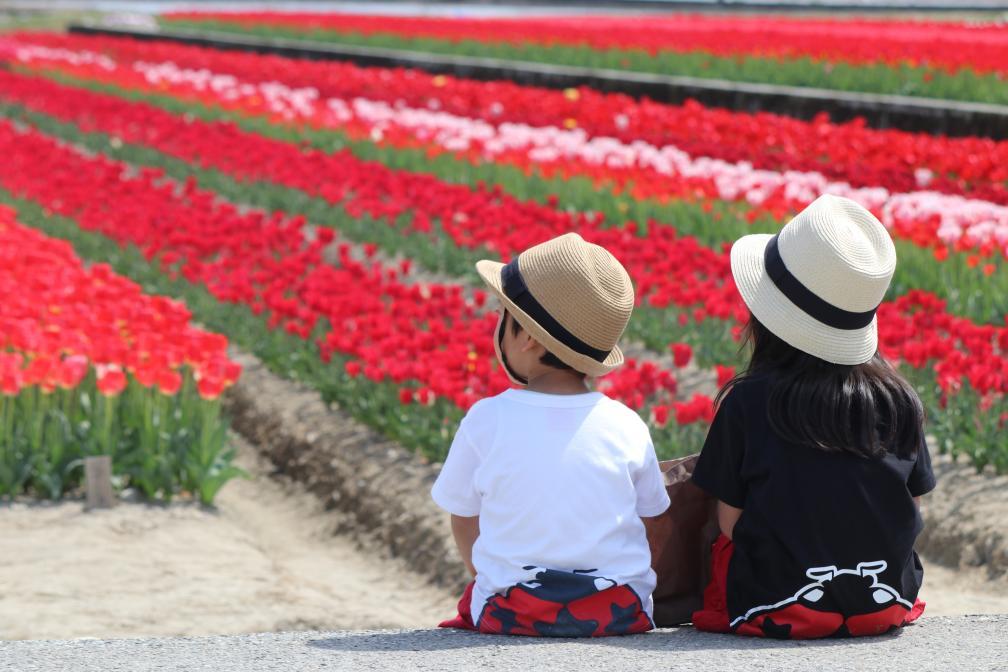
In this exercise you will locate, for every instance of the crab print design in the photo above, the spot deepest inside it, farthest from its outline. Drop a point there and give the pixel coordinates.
(565, 604)
(839, 602)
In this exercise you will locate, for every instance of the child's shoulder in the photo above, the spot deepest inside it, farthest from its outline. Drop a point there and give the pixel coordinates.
(485, 409)
(747, 389)
(621, 412)
(626, 420)
(482, 421)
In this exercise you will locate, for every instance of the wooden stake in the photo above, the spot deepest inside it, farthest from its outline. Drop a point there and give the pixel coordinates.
(98, 482)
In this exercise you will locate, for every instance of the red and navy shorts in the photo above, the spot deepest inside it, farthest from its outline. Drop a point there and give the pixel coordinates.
(569, 606)
(792, 621)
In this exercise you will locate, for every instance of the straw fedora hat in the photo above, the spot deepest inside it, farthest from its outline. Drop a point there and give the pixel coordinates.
(818, 283)
(572, 296)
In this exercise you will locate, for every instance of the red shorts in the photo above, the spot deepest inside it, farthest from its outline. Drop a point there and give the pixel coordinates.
(614, 611)
(799, 621)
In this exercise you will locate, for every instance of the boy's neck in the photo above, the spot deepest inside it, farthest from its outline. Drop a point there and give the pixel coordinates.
(554, 381)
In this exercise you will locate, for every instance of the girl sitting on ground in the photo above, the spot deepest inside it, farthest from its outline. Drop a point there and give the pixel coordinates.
(816, 454)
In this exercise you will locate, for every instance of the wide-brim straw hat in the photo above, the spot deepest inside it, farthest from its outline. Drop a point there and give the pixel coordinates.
(818, 283)
(572, 296)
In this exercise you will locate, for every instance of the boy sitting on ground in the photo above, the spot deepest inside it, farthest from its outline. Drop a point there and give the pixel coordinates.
(546, 485)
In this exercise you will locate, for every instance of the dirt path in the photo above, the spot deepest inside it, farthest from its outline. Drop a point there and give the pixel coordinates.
(956, 592)
(266, 560)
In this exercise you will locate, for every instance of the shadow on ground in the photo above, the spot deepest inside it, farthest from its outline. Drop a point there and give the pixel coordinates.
(671, 639)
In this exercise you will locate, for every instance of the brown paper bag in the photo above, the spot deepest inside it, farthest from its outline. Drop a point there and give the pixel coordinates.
(680, 541)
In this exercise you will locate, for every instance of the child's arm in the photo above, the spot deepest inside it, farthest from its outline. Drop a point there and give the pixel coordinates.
(465, 530)
(455, 492)
(718, 470)
(727, 516)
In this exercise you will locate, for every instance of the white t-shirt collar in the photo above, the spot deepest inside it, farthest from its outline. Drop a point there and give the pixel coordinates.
(554, 400)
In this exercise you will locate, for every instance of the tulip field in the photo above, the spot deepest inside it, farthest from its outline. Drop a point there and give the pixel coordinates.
(327, 217)
(92, 365)
(938, 59)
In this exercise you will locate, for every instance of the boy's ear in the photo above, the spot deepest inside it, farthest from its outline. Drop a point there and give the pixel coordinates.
(532, 345)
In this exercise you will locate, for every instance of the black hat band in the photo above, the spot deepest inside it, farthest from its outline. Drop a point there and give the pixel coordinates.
(806, 299)
(514, 287)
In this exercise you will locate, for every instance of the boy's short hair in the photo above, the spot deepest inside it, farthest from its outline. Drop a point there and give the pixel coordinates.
(549, 359)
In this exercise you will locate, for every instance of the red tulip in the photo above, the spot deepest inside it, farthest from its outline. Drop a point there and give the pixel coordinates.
(73, 369)
(111, 380)
(11, 373)
(681, 353)
(724, 374)
(169, 381)
(210, 388)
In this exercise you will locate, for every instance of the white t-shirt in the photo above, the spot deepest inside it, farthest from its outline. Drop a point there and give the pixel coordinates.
(559, 482)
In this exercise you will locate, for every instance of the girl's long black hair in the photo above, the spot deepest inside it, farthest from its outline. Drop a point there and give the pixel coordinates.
(867, 409)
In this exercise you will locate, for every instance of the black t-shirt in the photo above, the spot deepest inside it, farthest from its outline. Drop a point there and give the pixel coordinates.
(812, 520)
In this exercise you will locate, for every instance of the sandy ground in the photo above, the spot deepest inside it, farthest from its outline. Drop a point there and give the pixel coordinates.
(266, 560)
(956, 592)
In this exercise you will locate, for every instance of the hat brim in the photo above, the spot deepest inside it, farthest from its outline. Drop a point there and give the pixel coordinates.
(490, 272)
(786, 320)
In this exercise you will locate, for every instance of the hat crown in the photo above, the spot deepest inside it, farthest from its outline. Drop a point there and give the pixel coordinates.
(582, 286)
(840, 252)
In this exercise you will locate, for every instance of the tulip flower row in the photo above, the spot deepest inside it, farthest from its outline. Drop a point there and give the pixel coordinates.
(432, 209)
(924, 217)
(273, 264)
(668, 271)
(276, 266)
(370, 338)
(377, 321)
(930, 218)
(898, 161)
(940, 59)
(91, 365)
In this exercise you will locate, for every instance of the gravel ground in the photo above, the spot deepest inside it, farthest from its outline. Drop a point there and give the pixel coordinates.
(947, 644)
